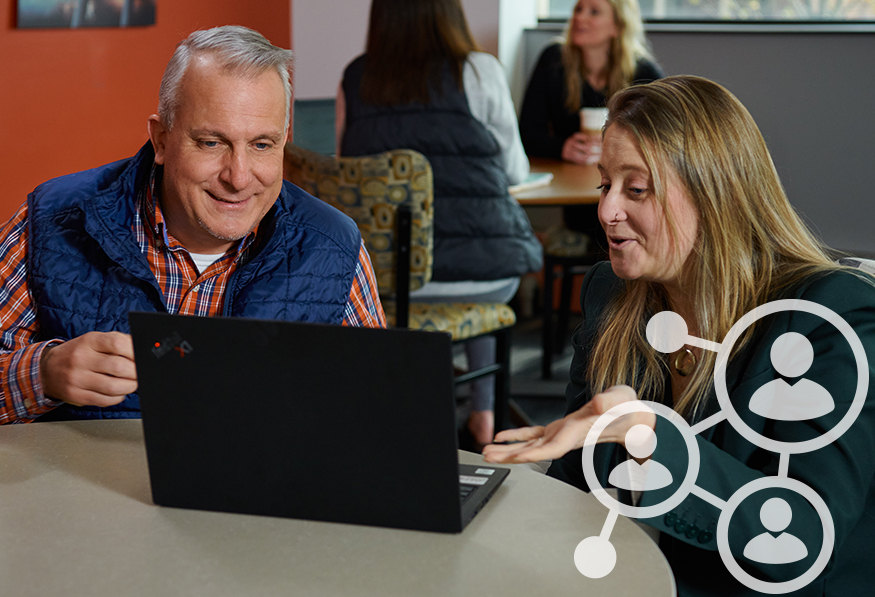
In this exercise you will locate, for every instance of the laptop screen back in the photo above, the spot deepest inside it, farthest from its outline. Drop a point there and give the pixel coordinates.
(300, 420)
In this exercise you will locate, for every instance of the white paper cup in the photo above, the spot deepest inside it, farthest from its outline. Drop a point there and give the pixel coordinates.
(592, 120)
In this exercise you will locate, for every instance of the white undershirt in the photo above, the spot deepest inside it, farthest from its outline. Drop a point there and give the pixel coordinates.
(203, 261)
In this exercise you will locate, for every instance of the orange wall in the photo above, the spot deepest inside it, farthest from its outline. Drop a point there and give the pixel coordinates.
(76, 99)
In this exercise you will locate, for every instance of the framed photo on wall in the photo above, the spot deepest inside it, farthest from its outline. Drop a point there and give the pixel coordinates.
(71, 14)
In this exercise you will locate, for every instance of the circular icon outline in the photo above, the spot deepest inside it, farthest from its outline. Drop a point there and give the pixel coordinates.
(590, 442)
(775, 588)
(732, 415)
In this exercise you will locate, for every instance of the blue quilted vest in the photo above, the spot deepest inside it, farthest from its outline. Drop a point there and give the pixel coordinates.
(86, 271)
(480, 231)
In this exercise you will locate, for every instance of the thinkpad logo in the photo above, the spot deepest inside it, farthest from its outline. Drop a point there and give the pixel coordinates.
(174, 343)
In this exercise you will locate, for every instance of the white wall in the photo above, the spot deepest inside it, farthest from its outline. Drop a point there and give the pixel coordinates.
(498, 27)
(483, 20)
(327, 34)
(514, 17)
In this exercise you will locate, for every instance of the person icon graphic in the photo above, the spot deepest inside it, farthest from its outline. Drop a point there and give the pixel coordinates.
(640, 443)
(775, 515)
(791, 355)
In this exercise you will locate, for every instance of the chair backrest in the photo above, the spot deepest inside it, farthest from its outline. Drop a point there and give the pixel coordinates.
(370, 189)
(866, 265)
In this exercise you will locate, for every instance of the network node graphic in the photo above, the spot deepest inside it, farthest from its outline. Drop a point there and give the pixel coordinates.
(640, 443)
(792, 355)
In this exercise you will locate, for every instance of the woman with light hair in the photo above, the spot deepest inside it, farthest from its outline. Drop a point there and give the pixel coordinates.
(604, 50)
(698, 224)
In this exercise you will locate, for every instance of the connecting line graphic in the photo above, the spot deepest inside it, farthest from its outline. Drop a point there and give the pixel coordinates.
(791, 355)
(705, 424)
(608, 527)
(784, 465)
(702, 343)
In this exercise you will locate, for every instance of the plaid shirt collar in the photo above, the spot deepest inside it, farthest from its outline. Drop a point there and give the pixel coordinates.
(156, 226)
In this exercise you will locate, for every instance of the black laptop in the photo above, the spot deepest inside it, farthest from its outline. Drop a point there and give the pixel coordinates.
(302, 420)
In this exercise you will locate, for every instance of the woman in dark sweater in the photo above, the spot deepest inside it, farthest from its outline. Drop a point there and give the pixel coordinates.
(424, 85)
(603, 52)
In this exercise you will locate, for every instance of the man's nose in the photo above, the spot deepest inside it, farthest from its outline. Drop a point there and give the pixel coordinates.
(237, 171)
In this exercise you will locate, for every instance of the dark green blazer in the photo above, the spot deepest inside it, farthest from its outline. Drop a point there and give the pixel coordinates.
(841, 472)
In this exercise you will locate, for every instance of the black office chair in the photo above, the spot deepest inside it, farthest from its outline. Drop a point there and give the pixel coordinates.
(572, 253)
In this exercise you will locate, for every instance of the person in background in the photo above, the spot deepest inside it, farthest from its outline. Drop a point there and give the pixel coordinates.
(604, 51)
(199, 222)
(423, 85)
(699, 224)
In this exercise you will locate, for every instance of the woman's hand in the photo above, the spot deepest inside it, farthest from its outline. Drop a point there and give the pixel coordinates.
(560, 437)
(582, 149)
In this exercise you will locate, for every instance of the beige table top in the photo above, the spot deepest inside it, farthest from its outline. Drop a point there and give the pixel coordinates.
(572, 184)
(76, 519)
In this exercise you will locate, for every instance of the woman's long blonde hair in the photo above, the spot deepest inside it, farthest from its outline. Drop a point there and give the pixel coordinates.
(626, 48)
(750, 244)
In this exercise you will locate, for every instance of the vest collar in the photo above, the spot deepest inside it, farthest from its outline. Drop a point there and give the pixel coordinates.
(108, 215)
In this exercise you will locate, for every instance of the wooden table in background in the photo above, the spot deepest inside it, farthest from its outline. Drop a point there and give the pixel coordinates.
(572, 184)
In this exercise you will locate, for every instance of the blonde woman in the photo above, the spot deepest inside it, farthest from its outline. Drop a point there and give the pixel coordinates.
(698, 223)
(604, 51)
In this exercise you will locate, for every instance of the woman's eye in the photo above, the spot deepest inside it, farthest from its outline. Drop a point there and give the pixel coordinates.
(604, 187)
(637, 191)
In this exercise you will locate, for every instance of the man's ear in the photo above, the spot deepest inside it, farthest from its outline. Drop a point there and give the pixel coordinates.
(158, 135)
(288, 136)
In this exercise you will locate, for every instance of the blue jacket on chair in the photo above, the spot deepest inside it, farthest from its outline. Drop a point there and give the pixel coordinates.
(86, 270)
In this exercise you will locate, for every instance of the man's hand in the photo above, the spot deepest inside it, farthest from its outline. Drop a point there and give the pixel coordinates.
(560, 437)
(95, 369)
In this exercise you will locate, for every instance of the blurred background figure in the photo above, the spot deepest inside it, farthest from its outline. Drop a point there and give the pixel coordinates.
(422, 84)
(604, 51)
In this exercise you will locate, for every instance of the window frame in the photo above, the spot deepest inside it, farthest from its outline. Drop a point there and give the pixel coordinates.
(736, 25)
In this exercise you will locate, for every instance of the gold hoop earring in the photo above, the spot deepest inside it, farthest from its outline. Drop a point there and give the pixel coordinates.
(685, 362)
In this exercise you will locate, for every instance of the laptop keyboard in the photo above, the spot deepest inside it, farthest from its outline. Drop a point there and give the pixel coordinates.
(465, 491)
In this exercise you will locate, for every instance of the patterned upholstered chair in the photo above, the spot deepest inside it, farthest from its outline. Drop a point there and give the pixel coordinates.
(390, 197)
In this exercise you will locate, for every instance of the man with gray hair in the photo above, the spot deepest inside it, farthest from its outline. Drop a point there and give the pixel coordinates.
(199, 222)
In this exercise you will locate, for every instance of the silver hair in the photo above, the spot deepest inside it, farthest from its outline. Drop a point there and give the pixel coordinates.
(239, 49)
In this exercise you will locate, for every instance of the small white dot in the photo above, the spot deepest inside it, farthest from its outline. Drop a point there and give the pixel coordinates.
(595, 557)
(667, 331)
